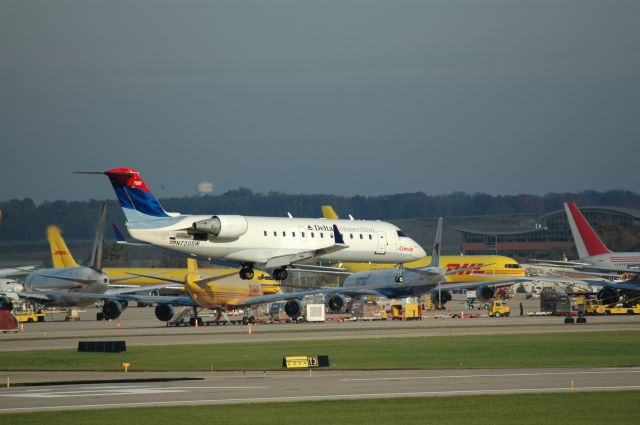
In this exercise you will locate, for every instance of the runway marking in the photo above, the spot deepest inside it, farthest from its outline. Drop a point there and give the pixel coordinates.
(117, 391)
(319, 397)
(496, 375)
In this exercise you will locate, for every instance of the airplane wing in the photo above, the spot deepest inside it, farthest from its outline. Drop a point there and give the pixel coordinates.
(206, 279)
(300, 294)
(320, 269)
(285, 260)
(20, 270)
(559, 263)
(629, 286)
(53, 296)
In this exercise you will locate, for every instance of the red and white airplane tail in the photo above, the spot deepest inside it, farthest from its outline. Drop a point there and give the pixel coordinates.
(587, 241)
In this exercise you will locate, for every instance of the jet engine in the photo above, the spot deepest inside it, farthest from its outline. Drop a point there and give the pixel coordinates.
(337, 303)
(164, 312)
(6, 304)
(223, 226)
(293, 308)
(608, 295)
(112, 309)
(440, 298)
(485, 293)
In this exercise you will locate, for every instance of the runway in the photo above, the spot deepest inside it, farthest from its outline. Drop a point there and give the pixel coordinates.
(225, 388)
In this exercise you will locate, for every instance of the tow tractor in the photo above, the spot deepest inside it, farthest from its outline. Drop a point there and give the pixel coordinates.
(499, 308)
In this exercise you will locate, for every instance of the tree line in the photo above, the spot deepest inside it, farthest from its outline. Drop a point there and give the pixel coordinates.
(24, 220)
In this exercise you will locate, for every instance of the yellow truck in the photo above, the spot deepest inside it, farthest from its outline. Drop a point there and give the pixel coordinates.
(597, 308)
(499, 308)
(406, 312)
(28, 316)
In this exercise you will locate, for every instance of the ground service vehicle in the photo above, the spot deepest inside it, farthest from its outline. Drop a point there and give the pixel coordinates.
(499, 308)
(29, 316)
(596, 308)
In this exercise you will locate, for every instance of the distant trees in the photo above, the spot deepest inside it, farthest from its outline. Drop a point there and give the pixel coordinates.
(24, 220)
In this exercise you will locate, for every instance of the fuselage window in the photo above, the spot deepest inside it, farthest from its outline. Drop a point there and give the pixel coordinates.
(350, 235)
(302, 234)
(370, 236)
(293, 234)
(275, 233)
(321, 235)
(361, 237)
(313, 235)
(265, 233)
(284, 233)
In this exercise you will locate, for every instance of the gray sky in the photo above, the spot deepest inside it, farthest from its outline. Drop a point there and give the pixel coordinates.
(346, 97)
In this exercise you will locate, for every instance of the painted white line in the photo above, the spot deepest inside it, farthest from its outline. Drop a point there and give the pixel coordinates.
(490, 375)
(319, 397)
(115, 391)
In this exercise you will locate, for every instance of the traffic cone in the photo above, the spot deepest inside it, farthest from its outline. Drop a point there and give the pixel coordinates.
(197, 323)
(118, 325)
(249, 328)
(21, 327)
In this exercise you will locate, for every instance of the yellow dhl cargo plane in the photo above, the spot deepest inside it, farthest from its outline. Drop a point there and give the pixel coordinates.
(471, 266)
(61, 257)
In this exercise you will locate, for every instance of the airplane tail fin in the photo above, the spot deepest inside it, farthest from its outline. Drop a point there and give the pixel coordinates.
(60, 255)
(587, 241)
(136, 200)
(96, 252)
(192, 266)
(329, 212)
(435, 254)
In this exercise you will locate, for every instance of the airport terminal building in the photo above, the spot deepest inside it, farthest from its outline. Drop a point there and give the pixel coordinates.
(549, 238)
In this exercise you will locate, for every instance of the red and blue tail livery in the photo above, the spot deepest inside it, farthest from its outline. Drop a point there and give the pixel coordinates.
(134, 195)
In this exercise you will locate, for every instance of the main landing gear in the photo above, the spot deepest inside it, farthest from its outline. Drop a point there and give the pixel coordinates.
(246, 273)
(280, 274)
(399, 273)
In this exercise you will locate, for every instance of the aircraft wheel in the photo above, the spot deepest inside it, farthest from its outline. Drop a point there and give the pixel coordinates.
(245, 321)
(280, 274)
(252, 320)
(399, 279)
(246, 273)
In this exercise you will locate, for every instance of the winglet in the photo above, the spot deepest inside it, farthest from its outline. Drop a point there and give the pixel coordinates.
(337, 235)
(435, 255)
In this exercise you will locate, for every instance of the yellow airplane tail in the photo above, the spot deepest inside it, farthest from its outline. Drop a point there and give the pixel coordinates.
(192, 266)
(329, 212)
(60, 255)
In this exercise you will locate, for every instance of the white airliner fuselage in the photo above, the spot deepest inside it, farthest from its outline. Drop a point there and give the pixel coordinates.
(265, 239)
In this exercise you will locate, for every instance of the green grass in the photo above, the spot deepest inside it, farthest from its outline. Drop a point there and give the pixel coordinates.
(589, 349)
(559, 408)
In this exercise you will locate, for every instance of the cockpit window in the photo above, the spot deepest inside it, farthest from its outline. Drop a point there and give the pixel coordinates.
(513, 266)
(402, 234)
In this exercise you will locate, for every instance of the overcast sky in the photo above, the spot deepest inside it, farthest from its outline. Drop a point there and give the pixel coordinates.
(345, 97)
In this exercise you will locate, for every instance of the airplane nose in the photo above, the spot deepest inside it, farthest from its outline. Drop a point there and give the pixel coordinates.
(419, 252)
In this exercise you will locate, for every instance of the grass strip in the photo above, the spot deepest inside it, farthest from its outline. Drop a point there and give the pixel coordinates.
(619, 407)
(580, 349)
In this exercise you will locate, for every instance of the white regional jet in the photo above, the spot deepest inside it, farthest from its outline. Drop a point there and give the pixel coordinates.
(272, 243)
